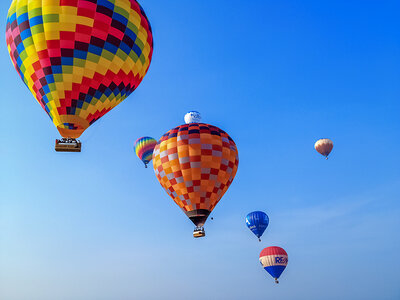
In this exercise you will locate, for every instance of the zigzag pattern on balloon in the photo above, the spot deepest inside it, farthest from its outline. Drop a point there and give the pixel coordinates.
(79, 58)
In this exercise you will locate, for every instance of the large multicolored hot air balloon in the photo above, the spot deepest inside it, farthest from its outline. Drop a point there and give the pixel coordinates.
(196, 163)
(274, 260)
(79, 58)
(257, 221)
(324, 147)
(144, 148)
(192, 117)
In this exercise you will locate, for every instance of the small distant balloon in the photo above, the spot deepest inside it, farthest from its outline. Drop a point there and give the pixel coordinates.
(274, 260)
(257, 221)
(144, 148)
(192, 117)
(324, 147)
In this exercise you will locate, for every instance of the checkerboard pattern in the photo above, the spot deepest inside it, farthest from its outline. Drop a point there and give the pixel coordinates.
(196, 163)
(79, 58)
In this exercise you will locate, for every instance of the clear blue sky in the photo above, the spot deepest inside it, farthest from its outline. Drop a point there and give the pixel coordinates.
(276, 75)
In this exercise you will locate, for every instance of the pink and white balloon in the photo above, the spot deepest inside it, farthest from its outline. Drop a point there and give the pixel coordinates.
(324, 147)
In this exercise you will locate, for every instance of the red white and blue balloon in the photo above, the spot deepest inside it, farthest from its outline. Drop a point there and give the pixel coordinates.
(274, 260)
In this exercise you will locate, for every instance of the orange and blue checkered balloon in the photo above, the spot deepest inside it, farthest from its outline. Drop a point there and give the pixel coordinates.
(79, 58)
(144, 148)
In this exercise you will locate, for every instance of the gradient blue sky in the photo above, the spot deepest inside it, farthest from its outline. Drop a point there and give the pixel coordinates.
(276, 75)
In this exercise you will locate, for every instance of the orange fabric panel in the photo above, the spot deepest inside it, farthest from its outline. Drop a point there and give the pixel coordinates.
(196, 163)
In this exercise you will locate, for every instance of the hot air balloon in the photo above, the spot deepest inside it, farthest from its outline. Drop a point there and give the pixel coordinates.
(79, 58)
(192, 117)
(144, 147)
(274, 260)
(257, 221)
(196, 163)
(324, 147)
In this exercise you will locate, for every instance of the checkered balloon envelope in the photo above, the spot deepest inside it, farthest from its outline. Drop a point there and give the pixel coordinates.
(79, 58)
(196, 163)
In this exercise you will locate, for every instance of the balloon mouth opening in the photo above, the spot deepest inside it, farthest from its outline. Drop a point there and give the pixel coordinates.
(70, 133)
(198, 216)
(71, 126)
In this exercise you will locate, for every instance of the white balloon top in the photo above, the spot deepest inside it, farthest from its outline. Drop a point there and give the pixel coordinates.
(192, 117)
(321, 142)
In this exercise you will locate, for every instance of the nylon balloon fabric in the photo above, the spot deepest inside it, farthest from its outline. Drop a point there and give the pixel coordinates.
(257, 222)
(196, 163)
(144, 148)
(274, 260)
(79, 58)
(324, 147)
(192, 117)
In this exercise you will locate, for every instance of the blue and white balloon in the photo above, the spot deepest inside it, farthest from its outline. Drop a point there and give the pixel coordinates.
(192, 117)
(257, 221)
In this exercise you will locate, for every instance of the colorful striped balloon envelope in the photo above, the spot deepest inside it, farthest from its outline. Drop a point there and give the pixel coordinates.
(79, 58)
(144, 148)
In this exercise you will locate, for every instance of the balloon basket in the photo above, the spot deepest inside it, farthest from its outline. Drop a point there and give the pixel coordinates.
(68, 145)
(199, 232)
